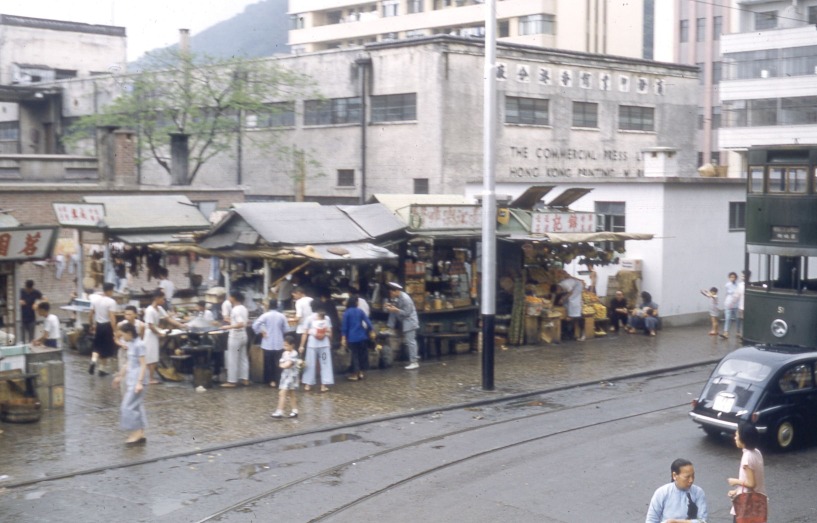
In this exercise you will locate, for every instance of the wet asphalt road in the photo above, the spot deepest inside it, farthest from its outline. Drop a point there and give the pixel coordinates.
(200, 428)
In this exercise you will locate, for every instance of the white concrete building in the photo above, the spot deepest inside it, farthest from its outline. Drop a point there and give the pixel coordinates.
(697, 225)
(595, 26)
(35, 53)
(769, 86)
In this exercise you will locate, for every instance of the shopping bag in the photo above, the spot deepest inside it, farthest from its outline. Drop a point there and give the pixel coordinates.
(750, 507)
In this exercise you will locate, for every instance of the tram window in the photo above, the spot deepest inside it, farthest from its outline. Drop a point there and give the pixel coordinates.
(797, 180)
(756, 179)
(777, 182)
(787, 179)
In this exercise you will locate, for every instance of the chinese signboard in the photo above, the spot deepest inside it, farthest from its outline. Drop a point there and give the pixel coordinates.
(785, 234)
(542, 223)
(79, 214)
(27, 243)
(436, 217)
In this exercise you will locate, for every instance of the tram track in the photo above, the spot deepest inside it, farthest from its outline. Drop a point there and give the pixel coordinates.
(510, 398)
(336, 469)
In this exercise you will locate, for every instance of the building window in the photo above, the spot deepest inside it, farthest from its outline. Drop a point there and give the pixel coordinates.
(346, 177)
(717, 68)
(683, 31)
(634, 118)
(701, 72)
(415, 33)
(765, 20)
(812, 14)
(296, 22)
(391, 8)
(273, 115)
(394, 107)
(442, 4)
(585, 114)
(717, 27)
(9, 131)
(787, 180)
(415, 6)
(332, 112)
(421, 186)
(528, 111)
(64, 74)
(610, 217)
(715, 157)
(737, 216)
(716, 118)
(537, 25)
(503, 29)
(700, 29)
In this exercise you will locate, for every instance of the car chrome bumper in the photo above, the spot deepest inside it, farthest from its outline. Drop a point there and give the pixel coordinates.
(720, 424)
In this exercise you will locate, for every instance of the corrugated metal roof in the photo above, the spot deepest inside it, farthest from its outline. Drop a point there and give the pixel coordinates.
(150, 213)
(376, 219)
(300, 223)
(399, 204)
(147, 238)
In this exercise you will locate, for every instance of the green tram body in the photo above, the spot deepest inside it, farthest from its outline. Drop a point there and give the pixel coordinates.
(781, 246)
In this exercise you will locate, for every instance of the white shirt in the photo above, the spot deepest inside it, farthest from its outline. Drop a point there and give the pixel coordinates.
(239, 314)
(168, 288)
(103, 306)
(152, 317)
(303, 310)
(51, 326)
(362, 305)
(226, 308)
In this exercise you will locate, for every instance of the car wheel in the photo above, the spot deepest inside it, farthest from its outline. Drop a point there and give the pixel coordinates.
(784, 435)
(712, 432)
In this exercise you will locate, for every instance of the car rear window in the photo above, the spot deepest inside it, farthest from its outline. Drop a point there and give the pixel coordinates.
(744, 370)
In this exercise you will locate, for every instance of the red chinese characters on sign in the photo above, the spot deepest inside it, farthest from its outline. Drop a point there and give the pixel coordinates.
(5, 241)
(27, 243)
(30, 248)
(79, 214)
(542, 223)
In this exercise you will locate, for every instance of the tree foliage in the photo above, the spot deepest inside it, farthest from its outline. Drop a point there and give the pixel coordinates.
(202, 97)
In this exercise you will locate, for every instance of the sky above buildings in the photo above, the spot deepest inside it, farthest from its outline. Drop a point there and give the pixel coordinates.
(149, 23)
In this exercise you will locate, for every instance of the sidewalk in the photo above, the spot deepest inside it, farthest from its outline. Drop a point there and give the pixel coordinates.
(85, 435)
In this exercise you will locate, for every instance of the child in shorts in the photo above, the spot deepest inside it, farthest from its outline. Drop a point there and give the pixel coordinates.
(714, 311)
(291, 367)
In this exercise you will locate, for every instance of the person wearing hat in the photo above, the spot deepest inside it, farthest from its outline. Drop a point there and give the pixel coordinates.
(402, 313)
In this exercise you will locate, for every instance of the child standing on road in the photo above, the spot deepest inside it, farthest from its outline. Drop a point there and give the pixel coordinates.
(290, 381)
(714, 311)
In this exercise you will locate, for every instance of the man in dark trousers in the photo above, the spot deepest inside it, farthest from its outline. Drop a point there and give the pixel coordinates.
(28, 297)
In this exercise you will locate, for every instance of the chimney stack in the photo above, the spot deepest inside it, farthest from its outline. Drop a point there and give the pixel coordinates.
(184, 41)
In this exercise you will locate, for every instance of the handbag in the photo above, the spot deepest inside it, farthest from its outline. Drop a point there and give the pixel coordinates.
(750, 507)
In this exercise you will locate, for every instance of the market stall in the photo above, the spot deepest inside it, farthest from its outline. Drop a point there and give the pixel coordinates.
(439, 267)
(31, 377)
(538, 243)
(335, 249)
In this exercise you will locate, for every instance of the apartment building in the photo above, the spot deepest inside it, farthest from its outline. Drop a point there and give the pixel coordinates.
(769, 86)
(34, 53)
(591, 26)
(697, 41)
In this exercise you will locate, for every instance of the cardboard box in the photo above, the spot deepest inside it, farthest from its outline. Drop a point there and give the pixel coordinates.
(57, 397)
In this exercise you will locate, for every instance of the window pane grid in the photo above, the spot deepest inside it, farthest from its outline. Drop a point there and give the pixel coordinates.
(585, 114)
(394, 107)
(527, 111)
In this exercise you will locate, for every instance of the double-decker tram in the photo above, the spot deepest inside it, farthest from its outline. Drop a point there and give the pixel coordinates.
(781, 246)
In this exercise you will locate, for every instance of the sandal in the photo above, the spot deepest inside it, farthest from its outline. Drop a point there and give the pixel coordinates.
(307, 387)
(324, 388)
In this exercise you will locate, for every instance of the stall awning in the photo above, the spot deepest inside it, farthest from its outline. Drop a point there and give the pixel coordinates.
(578, 237)
(340, 252)
(146, 238)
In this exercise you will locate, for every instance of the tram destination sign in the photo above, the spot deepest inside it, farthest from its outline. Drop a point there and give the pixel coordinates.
(785, 234)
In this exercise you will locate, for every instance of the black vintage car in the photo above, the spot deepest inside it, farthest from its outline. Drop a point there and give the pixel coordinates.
(772, 387)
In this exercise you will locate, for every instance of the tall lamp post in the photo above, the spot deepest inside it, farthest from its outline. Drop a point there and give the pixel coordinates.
(489, 118)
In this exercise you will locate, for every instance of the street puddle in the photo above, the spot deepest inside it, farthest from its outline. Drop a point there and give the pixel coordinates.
(335, 438)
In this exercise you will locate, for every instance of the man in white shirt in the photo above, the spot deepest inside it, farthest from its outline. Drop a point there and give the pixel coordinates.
(103, 318)
(51, 327)
(303, 308)
(167, 286)
(154, 313)
(238, 364)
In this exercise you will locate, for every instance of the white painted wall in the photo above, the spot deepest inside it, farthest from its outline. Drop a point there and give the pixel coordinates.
(692, 246)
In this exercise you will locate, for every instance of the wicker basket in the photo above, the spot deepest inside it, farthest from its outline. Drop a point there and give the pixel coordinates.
(21, 410)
